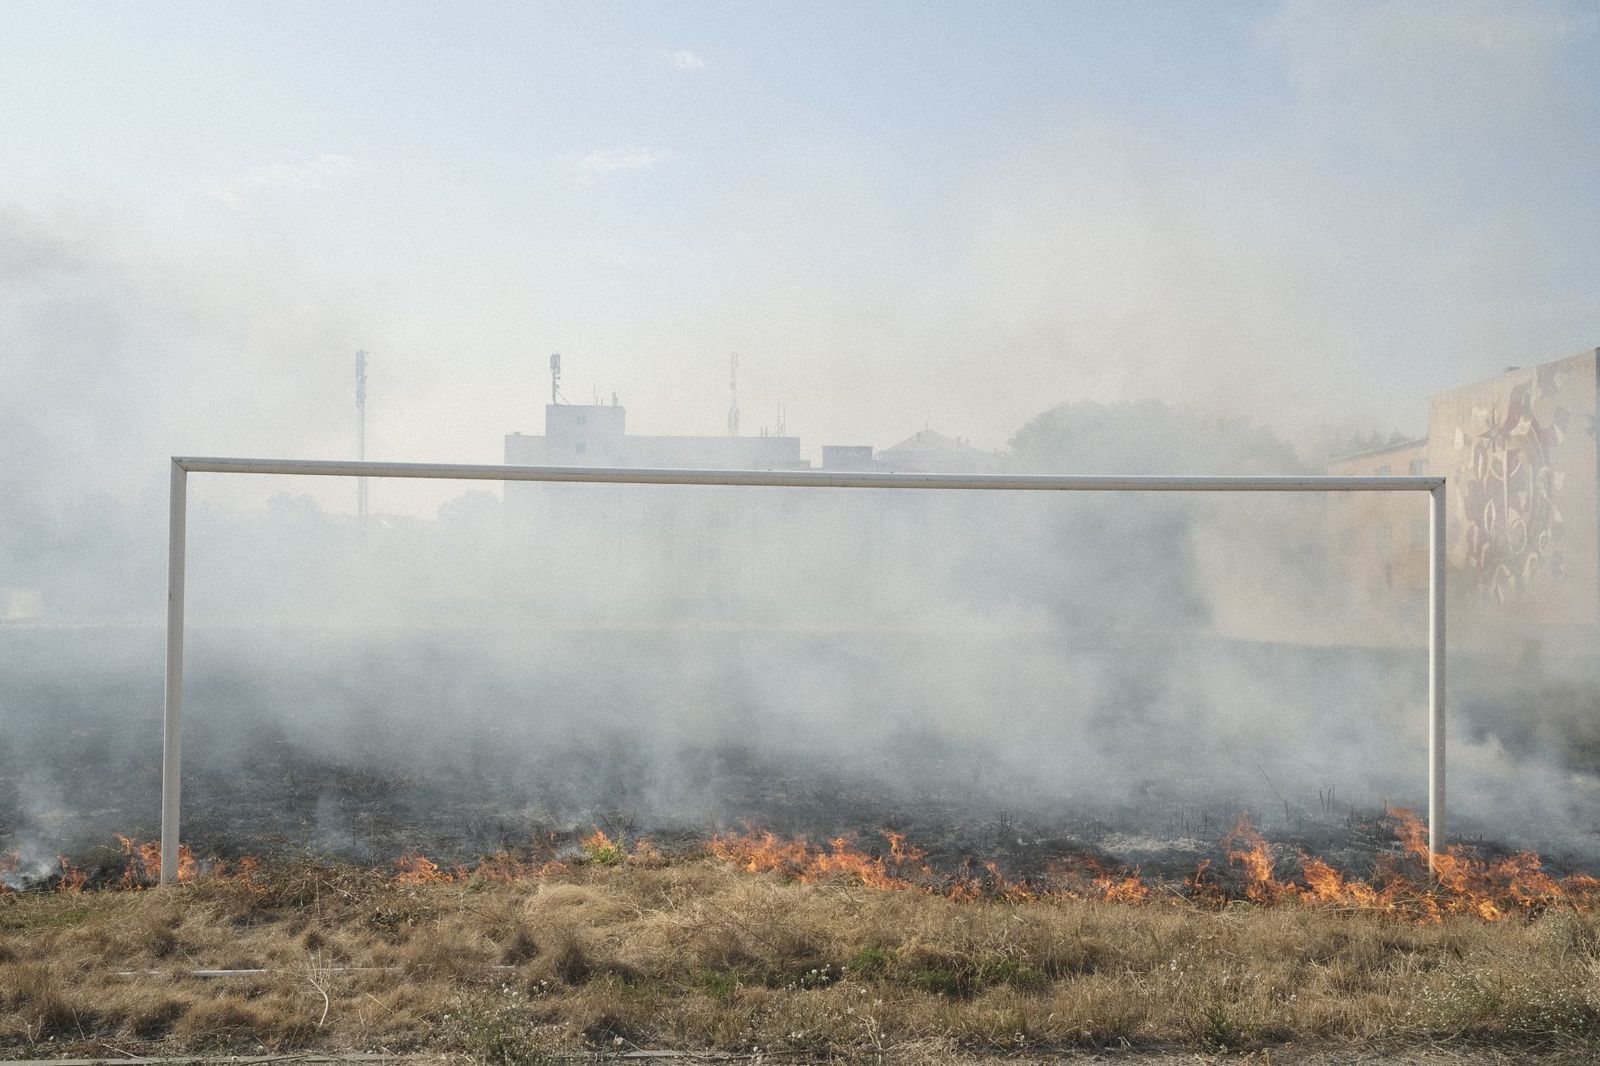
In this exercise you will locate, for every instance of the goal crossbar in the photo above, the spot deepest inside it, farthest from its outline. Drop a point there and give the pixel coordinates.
(183, 466)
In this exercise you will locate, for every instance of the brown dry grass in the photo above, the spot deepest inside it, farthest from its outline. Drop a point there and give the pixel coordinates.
(689, 954)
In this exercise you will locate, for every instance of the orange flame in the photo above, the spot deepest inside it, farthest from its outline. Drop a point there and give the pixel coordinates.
(1403, 884)
(764, 853)
(144, 862)
(415, 868)
(1129, 888)
(1250, 849)
(72, 879)
(1490, 890)
(1085, 877)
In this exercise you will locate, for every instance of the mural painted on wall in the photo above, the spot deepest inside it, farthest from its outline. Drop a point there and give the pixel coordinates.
(1510, 489)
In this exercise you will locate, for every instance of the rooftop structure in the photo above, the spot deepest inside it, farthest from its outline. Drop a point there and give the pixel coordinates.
(930, 452)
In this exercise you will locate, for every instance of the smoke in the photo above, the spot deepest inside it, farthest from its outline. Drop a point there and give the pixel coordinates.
(681, 659)
(1410, 214)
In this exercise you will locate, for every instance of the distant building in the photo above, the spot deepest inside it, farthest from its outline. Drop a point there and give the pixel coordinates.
(849, 457)
(928, 452)
(700, 554)
(596, 435)
(1522, 464)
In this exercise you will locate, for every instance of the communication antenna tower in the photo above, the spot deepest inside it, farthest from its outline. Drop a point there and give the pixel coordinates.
(733, 388)
(555, 378)
(361, 431)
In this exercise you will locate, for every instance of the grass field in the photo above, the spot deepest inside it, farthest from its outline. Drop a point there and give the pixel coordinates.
(625, 950)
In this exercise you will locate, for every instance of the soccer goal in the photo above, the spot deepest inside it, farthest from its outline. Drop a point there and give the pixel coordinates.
(183, 466)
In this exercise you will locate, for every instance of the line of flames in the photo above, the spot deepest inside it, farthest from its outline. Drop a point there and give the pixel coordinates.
(1460, 884)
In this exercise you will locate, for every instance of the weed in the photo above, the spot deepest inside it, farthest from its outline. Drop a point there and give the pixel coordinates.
(869, 963)
(496, 1027)
(1219, 1028)
(937, 980)
(719, 984)
(601, 850)
(817, 977)
(1012, 973)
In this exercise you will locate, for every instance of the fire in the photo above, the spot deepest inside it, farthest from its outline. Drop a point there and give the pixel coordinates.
(414, 868)
(144, 862)
(905, 869)
(1491, 890)
(1452, 883)
(1127, 888)
(901, 853)
(1328, 887)
(601, 849)
(1250, 849)
(1086, 877)
(73, 879)
(764, 853)
(1408, 884)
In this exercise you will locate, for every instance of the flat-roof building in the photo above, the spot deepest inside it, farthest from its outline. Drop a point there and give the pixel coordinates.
(596, 435)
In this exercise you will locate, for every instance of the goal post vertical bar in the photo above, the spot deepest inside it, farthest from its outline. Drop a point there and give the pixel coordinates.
(1436, 727)
(172, 719)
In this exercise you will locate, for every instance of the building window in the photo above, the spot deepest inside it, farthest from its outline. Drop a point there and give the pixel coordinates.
(581, 447)
(1419, 466)
(1382, 471)
(583, 420)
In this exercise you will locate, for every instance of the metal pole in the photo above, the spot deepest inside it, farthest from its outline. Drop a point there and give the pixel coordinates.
(807, 478)
(171, 767)
(172, 722)
(1436, 729)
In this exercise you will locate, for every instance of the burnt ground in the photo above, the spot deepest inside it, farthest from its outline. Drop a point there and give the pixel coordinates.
(288, 755)
(296, 802)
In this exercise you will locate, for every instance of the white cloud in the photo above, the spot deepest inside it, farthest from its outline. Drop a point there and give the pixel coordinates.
(600, 161)
(307, 174)
(686, 60)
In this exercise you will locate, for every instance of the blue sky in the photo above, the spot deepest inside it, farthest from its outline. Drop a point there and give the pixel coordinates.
(899, 215)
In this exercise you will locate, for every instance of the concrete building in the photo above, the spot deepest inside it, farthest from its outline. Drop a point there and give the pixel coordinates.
(700, 555)
(1521, 457)
(930, 452)
(596, 435)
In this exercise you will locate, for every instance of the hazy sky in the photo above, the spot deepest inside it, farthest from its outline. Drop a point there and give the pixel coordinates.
(899, 215)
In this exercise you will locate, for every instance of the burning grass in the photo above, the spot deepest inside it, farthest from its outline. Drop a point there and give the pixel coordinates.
(813, 951)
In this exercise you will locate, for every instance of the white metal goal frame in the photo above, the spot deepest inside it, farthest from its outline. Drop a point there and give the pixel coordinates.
(183, 466)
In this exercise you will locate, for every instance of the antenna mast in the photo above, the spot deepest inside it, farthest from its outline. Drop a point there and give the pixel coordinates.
(733, 388)
(555, 378)
(361, 431)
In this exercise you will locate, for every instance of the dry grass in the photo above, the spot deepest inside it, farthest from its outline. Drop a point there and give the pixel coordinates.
(690, 954)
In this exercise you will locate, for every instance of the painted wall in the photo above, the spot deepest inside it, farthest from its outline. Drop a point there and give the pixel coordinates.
(1521, 457)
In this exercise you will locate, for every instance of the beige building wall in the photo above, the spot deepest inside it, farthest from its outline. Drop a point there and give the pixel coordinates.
(1380, 546)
